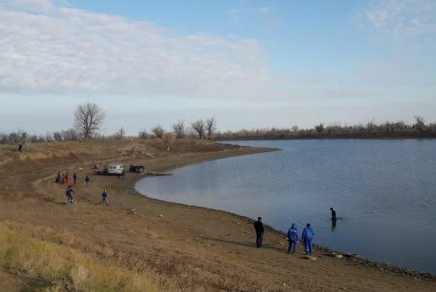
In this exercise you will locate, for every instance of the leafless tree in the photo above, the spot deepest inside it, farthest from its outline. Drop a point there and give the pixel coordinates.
(295, 129)
(319, 128)
(199, 128)
(158, 131)
(70, 135)
(89, 118)
(143, 134)
(210, 127)
(120, 134)
(57, 136)
(370, 126)
(179, 129)
(420, 123)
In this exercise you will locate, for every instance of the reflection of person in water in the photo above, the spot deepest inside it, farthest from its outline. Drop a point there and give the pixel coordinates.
(333, 225)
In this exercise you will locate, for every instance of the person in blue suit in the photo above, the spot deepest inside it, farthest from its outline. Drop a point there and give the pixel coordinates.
(293, 238)
(307, 237)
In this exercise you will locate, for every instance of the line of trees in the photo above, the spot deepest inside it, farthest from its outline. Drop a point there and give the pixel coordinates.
(201, 129)
(89, 119)
(419, 129)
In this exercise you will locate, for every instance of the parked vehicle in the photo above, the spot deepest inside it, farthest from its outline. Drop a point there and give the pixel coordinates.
(136, 168)
(114, 168)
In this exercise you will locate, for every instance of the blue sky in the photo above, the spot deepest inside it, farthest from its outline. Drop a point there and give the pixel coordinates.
(250, 64)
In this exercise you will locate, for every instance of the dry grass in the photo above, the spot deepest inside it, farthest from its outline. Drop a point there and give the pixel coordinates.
(53, 267)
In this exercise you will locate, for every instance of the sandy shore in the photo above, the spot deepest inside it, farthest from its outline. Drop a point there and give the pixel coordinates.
(187, 248)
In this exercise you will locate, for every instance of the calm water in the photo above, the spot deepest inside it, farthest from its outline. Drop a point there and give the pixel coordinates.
(383, 191)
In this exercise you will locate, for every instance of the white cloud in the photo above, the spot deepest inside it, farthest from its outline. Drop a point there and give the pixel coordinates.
(403, 19)
(69, 51)
(29, 5)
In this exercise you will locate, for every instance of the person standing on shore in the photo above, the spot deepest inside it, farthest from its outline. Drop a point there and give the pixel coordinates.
(74, 177)
(258, 226)
(87, 180)
(105, 198)
(293, 238)
(307, 237)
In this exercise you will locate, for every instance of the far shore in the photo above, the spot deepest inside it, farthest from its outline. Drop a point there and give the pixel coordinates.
(185, 247)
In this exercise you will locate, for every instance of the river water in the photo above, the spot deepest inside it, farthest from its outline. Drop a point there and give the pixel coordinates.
(384, 192)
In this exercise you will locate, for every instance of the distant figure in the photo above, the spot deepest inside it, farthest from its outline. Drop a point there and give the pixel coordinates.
(87, 180)
(20, 148)
(58, 177)
(293, 238)
(105, 198)
(69, 194)
(333, 214)
(258, 226)
(67, 179)
(307, 237)
(74, 177)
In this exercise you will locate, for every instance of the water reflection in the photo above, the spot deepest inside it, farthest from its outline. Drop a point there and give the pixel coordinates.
(333, 224)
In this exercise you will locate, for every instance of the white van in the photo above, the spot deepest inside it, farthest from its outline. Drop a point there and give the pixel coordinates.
(114, 168)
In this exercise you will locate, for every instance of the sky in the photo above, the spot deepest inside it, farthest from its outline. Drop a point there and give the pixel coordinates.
(248, 64)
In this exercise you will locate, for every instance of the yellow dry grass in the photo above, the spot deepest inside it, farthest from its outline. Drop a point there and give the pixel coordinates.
(53, 267)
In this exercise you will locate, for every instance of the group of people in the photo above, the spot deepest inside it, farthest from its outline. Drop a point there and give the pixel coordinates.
(69, 194)
(292, 235)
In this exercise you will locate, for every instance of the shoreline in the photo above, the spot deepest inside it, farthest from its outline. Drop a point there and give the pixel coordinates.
(183, 247)
(349, 256)
(353, 257)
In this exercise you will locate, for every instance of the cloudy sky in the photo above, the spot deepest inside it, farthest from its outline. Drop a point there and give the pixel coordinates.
(248, 63)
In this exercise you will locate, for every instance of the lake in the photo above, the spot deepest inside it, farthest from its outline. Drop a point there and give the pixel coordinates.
(384, 192)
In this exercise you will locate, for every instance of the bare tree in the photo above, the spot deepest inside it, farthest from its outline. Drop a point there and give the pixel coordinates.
(370, 125)
(143, 134)
(89, 118)
(179, 129)
(210, 127)
(420, 123)
(70, 135)
(158, 131)
(120, 134)
(295, 129)
(319, 128)
(199, 127)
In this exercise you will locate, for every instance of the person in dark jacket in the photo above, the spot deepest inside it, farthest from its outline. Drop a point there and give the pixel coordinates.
(307, 237)
(333, 214)
(87, 180)
(293, 238)
(258, 226)
(105, 198)
(74, 177)
(69, 194)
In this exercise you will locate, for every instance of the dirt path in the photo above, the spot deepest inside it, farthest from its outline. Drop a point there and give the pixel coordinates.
(189, 248)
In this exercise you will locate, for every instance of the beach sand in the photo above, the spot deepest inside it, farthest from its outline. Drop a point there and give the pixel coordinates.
(187, 248)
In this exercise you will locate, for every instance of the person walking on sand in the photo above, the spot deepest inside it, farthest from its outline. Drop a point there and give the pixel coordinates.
(307, 237)
(105, 198)
(258, 226)
(87, 180)
(293, 238)
(333, 214)
(69, 194)
(74, 177)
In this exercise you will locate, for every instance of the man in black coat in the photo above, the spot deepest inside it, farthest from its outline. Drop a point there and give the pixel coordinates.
(258, 226)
